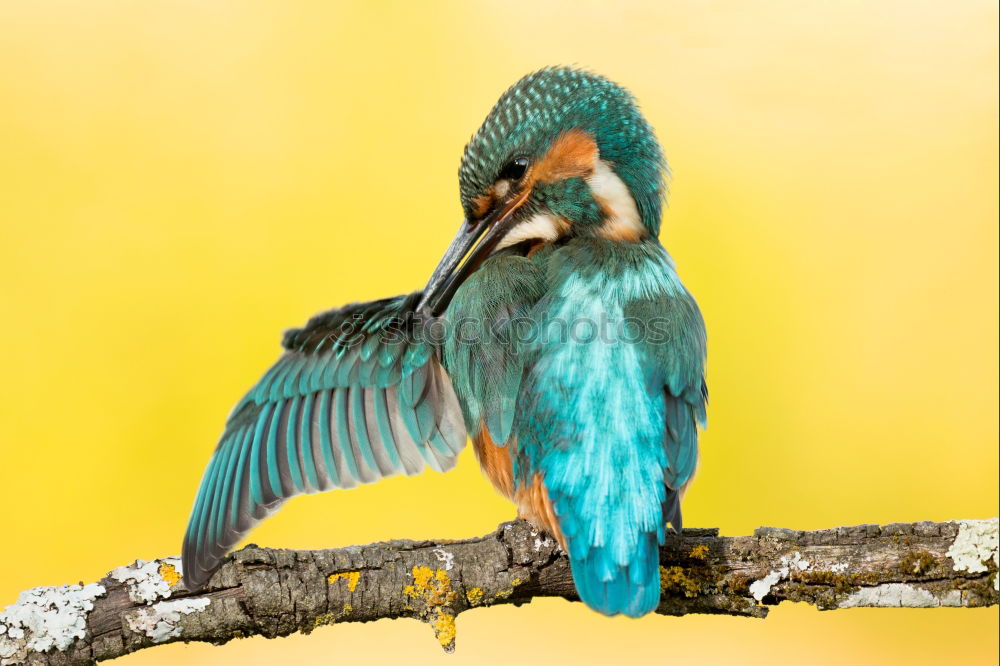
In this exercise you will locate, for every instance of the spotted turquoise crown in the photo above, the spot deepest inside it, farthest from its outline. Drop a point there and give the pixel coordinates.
(542, 105)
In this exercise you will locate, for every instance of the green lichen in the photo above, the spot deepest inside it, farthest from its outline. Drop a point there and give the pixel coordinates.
(738, 584)
(902, 539)
(826, 589)
(699, 577)
(330, 618)
(916, 562)
(674, 580)
(324, 619)
(840, 582)
(978, 593)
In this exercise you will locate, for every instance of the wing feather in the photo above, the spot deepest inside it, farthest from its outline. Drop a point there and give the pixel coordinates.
(355, 398)
(678, 363)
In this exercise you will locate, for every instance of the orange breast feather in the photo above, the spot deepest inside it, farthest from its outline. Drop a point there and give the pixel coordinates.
(532, 501)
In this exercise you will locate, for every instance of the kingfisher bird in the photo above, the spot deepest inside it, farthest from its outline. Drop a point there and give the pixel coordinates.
(554, 333)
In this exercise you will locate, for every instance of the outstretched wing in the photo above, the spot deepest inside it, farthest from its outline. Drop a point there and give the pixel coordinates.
(359, 395)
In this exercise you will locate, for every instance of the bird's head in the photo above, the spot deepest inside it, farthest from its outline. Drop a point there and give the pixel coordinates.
(564, 153)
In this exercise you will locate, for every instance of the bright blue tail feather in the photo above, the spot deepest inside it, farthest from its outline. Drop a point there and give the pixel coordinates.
(608, 588)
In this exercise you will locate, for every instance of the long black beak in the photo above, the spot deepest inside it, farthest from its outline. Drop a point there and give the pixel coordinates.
(475, 238)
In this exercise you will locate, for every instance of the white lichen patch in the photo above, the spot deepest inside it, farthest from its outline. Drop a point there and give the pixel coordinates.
(540, 542)
(839, 567)
(899, 595)
(161, 621)
(145, 580)
(45, 618)
(977, 543)
(761, 588)
(444, 556)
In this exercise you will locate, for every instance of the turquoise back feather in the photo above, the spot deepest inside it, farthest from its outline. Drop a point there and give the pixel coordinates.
(608, 421)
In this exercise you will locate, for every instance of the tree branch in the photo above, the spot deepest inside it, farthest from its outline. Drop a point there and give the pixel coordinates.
(260, 591)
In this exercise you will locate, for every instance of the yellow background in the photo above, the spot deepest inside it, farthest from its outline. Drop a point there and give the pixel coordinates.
(180, 181)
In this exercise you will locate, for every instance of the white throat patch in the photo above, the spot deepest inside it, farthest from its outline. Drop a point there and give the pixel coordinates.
(540, 226)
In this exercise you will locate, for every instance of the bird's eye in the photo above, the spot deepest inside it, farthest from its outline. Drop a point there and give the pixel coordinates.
(515, 169)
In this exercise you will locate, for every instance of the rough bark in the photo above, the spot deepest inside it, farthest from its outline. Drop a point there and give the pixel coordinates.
(260, 591)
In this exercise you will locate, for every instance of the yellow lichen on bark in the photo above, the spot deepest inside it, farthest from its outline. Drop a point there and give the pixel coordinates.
(352, 578)
(433, 587)
(475, 596)
(503, 594)
(168, 573)
(444, 629)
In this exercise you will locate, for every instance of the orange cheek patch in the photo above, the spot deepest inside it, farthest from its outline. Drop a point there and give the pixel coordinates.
(572, 155)
(481, 204)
